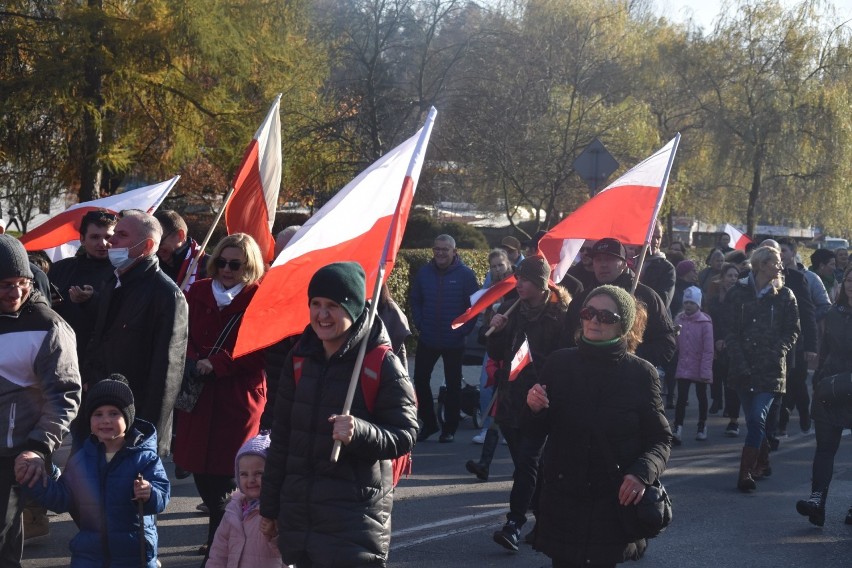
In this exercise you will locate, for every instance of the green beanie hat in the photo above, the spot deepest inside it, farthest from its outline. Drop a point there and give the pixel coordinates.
(536, 270)
(624, 302)
(342, 282)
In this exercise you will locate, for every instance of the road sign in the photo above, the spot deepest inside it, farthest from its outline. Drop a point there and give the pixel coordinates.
(594, 165)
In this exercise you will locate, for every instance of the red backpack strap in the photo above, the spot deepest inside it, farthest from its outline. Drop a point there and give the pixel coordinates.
(298, 363)
(371, 374)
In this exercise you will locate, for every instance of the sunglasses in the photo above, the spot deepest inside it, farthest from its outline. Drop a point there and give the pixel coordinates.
(604, 316)
(232, 264)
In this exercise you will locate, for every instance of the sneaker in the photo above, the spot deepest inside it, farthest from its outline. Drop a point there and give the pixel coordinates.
(480, 438)
(701, 436)
(508, 536)
(733, 430)
(677, 435)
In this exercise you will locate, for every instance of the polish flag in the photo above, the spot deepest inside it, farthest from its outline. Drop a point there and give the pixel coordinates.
(738, 240)
(624, 210)
(370, 212)
(522, 358)
(480, 301)
(256, 185)
(59, 236)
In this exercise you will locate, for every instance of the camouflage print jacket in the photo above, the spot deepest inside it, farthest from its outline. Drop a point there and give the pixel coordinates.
(758, 334)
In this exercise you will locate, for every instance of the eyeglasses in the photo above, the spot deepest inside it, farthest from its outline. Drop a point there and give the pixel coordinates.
(23, 286)
(232, 264)
(604, 316)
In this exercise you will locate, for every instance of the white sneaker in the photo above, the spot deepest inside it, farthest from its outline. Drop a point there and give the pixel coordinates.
(480, 438)
(701, 436)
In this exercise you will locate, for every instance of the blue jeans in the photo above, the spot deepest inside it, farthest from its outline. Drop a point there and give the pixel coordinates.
(485, 394)
(755, 409)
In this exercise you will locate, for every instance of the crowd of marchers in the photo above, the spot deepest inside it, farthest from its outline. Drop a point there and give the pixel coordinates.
(128, 346)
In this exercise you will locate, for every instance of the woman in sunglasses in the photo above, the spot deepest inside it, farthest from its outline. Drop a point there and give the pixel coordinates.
(608, 438)
(227, 412)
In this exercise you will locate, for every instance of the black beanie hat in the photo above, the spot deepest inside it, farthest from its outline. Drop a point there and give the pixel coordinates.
(14, 262)
(113, 391)
(536, 270)
(342, 282)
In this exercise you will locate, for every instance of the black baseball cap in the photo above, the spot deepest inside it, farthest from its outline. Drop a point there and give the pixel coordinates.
(612, 247)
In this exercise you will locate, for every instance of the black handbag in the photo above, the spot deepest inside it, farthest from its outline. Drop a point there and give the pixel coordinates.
(835, 390)
(193, 383)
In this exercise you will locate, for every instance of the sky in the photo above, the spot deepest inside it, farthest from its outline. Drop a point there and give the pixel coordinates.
(705, 11)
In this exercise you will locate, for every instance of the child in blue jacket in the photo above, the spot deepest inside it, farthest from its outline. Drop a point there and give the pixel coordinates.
(100, 488)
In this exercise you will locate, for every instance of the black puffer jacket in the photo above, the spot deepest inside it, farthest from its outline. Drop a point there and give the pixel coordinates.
(835, 356)
(141, 332)
(543, 333)
(596, 393)
(336, 514)
(759, 332)
(658, 274)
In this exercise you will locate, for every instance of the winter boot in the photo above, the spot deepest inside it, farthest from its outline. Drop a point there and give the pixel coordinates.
(747, 460)
(814, 508)
(480, 469)
(762, 469)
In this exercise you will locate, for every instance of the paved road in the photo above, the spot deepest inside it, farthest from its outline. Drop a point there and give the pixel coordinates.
(443, 517)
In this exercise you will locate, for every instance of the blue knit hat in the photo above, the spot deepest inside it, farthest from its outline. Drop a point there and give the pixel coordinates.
(257, 446)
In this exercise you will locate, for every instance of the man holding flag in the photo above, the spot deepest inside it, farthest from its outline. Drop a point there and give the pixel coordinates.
(534, 321)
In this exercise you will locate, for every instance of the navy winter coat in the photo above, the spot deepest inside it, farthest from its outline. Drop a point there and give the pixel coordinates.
(437, 298)
(99, 497)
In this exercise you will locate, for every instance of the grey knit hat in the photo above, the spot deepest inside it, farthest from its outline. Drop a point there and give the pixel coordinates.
(257, 446)
(536, 270)
(343, 282)
(14, 262)
(624, 302)
(113, 391)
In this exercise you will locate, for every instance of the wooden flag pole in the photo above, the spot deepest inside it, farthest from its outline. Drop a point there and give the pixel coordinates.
(197, 256)
(506, 313)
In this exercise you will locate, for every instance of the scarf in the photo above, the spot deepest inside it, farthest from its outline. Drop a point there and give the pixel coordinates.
(225, 297)
(249, 506)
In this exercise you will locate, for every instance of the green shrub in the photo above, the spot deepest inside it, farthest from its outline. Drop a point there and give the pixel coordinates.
(421, 230)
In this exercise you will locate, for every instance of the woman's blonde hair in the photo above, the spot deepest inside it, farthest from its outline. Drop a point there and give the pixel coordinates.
(254, 259)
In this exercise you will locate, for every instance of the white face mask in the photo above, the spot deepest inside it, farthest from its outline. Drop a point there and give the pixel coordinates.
(120, 256)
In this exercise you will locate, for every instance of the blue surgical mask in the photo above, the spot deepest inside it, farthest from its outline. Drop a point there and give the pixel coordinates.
(119, 257)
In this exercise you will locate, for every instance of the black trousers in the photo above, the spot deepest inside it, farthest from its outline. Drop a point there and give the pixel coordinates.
(214, 491)
(424, 363)
(683, 395)
(827, 443)
(526, 456)
(11, 506)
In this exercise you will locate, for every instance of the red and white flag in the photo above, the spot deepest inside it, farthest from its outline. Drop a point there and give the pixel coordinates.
(59, 236)
(522, 358)
(738, 240)
(624, 210)
(480, 301)
(257, 184)
(354, 226)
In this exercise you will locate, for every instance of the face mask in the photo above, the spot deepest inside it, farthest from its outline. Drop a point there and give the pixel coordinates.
(120, 257)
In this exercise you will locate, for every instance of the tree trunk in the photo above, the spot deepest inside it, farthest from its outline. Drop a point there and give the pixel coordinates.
(90, 175)
(754, 192)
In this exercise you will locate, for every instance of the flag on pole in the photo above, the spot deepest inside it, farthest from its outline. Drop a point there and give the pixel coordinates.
(257, 184)
(353, 226)
(624, 210)
(480, 301)
(738, 240)
(522, 358)
(59, 236)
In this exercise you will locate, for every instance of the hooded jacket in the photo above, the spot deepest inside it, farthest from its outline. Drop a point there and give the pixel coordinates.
(99, 496)
(695, 347)
(141, 332)
(336, 514)
(239, 543)
(39, 379)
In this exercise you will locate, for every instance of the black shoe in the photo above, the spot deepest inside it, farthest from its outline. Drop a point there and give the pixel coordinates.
(426, 432)
(446, 438)
(813, 508)
(181, 473)
(477, 469)
(508, 536)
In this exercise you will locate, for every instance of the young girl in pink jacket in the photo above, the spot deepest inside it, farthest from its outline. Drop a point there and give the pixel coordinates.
(238, 542)
(695, 361)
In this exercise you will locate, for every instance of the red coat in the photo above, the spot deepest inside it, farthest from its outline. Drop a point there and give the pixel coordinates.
(228, 411)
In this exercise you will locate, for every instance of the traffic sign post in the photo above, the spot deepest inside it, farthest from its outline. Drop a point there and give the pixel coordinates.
(594, 165)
